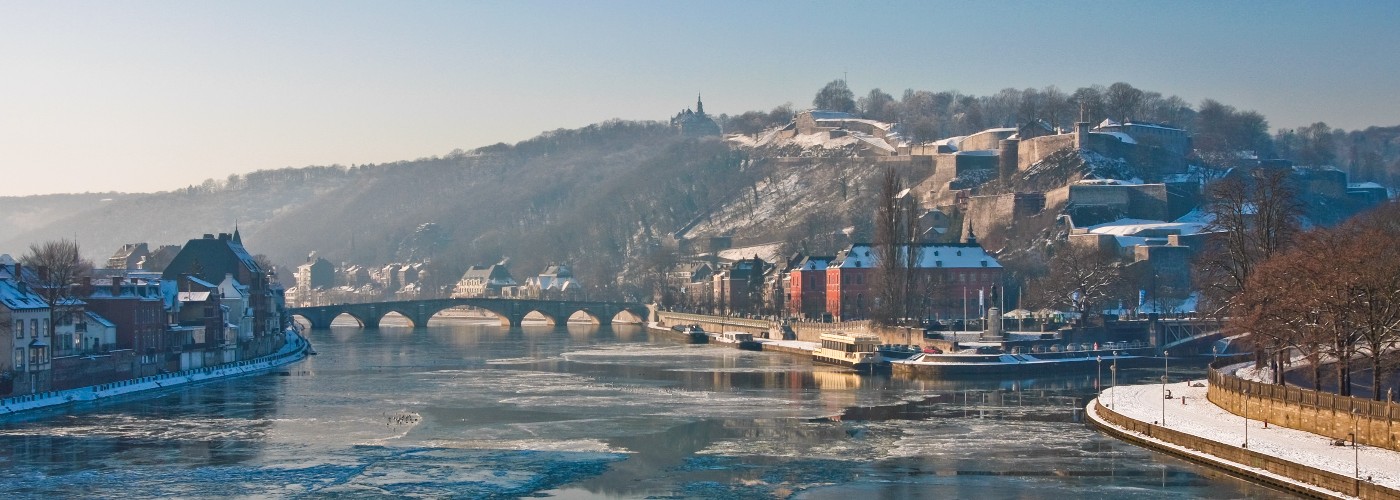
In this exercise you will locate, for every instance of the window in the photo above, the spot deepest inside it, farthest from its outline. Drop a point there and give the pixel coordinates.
(19, 328)
(46, 327)
(19, 358)
(34, 327)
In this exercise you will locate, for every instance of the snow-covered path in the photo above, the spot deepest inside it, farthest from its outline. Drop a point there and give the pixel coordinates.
(1190, 412)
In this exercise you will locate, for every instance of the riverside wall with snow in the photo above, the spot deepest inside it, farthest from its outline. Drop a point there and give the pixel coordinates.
(1374, 423)
(295, 349)
(1259, 467)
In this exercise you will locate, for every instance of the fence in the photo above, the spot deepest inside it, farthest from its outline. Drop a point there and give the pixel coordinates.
(1372, 423)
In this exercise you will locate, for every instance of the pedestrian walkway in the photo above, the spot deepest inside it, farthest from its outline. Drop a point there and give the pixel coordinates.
(1188, 411)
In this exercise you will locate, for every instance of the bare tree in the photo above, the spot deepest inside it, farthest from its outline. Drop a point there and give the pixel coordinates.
(57, 267)
(1081, 277)
(1252, 220)
(897, 249)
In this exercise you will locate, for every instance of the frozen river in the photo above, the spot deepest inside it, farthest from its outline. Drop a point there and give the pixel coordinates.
(470, 409)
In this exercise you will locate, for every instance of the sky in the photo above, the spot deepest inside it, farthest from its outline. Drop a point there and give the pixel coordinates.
(146, 96)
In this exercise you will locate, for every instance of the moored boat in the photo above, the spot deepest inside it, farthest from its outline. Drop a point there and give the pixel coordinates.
(856, 350)
(695, 332)
(744, 340)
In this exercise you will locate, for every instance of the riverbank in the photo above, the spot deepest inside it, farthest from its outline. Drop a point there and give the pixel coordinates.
(1191, 427)
(295, 349)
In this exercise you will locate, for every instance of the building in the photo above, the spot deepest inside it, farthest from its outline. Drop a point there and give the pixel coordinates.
(739, 288)
(806, 297)
(26, 364)
(695, 123)
(136, 311)
(129, 256)
(211, 259)
(945, 277)
(485, 281)
(556, 282)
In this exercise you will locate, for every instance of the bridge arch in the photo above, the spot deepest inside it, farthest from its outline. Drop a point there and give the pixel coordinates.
(510, 311)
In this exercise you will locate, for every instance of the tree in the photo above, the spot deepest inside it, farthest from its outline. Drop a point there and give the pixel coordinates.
(57, 266)
(1123, 102)
(835, 96)
(877, 105)
(1081, 277)
(1252, 219)
(896, 250)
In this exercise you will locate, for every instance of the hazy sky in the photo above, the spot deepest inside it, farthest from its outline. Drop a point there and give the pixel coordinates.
(156, 95)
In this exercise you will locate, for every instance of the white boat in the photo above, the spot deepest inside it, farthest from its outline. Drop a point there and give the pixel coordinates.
(744, 340)
(856, 350)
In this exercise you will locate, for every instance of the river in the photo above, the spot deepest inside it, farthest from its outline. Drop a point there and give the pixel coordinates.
(471, 409)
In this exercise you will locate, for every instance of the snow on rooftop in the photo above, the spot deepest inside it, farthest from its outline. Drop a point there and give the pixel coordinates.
(1190, 412)
(1125, 138)
(1135, 227)
(930, 256)
(980, 152)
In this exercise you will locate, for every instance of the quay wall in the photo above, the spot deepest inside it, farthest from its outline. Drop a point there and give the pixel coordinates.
(1338, 417)
(1231, 457)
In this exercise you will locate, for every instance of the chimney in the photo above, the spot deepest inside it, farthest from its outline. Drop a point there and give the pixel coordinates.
(19, 274)
(44, 274)
(116, 286)
(87, 286)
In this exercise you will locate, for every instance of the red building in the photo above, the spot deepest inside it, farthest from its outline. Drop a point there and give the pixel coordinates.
(136, 309)
(945, 276)
(806, 294)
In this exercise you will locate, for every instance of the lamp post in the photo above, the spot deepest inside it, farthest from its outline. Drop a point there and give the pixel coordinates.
(1098, 379)
(1112, 404)
(1246, 417)
(1355, 452)
(1164, 388)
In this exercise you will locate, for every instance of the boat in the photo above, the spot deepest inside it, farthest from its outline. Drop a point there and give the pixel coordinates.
(695, 332)
(992, 362)
(897, 351)
(744, 340)
(856, 350)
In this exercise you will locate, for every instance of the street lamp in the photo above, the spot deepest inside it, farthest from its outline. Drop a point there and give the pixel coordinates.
(1112, 404)
(1246, 417)
(1098, 379)
(1355, 452)
(1164, 388)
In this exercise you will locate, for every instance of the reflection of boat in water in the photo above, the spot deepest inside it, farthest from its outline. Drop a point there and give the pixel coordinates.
(744, 340)
(856, 350)
(697, 335)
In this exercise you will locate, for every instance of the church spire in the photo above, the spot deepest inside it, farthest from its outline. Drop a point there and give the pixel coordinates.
(699, 105)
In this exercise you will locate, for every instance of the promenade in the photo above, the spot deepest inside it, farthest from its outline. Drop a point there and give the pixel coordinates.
(1190, 426)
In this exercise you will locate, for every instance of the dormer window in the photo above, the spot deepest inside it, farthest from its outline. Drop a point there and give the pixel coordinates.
(938, 263)
(984, 263)
(959, 253)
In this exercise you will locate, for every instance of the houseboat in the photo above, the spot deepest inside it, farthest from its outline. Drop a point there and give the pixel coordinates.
(856, 350)
(744, 340)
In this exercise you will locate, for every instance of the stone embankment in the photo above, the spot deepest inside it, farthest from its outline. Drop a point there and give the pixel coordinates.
(1191, 425)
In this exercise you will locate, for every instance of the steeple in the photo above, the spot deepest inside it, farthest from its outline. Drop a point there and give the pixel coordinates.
(699, 105)
(236, 238)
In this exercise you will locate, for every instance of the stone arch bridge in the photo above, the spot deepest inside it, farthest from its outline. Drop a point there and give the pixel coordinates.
(511, 311)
